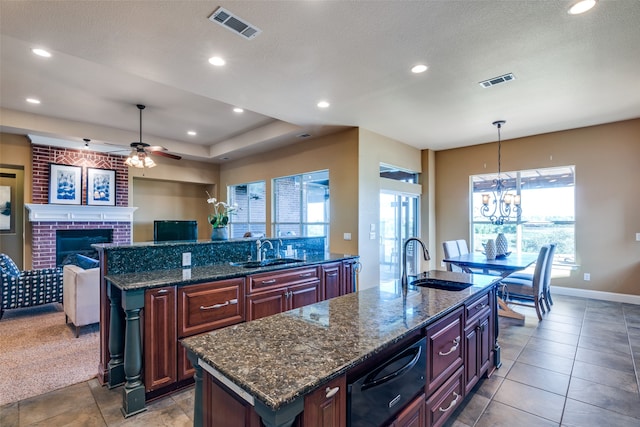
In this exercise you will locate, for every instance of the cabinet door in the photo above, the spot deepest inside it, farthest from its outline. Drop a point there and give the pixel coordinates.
(347, 276)
(185, 369)
(478, 349)
(332, 285)
(265, 304)
(444, 349)
(327, 406)
(160, 338)
(301, 295)
(413, 415)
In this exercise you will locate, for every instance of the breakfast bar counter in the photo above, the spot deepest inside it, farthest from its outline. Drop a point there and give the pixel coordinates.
(274, 362)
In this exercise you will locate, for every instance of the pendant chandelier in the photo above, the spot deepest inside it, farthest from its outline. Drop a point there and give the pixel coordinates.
(139, 157)
(500, 206)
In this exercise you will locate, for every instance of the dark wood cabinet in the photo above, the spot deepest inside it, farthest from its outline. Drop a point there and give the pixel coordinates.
(224, 408)
(444, 349)
(160, 340)
(413, 415)
(478, 346)
(277, 291)
(327, 406)
(348, 275)
(332, 283)
(442, 403)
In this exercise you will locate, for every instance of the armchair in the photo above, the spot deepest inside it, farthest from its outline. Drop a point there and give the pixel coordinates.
(27, 288)
(81, 295)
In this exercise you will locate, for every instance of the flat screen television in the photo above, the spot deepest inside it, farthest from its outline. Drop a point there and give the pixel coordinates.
(176, 230)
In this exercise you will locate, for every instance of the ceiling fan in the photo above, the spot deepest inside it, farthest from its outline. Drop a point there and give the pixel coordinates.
(139, 157)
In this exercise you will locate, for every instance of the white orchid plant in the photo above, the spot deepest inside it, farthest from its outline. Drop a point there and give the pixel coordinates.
(221, 211)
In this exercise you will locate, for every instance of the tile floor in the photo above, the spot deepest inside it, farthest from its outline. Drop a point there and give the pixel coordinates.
(575, 368)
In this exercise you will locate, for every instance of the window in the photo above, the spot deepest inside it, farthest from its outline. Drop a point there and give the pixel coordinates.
(548, 211)
(251, 214)
(398, 174)
(301, 205)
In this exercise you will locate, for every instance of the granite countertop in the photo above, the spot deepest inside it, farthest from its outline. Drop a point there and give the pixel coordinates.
(280, 358)
(185, 276)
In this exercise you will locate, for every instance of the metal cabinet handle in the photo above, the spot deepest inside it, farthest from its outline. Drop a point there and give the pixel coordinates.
(480, 306)
(452, 404)
(162, 291)
(330, 392)
(268, 282)
(334, 274)
(456, 344)
(213, 307)
(305, 275)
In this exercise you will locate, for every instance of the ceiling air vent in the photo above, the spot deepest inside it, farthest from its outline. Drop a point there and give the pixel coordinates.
(233, 23)
(497, 80)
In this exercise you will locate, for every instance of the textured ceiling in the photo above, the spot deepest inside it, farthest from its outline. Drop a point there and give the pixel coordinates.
(571, 71)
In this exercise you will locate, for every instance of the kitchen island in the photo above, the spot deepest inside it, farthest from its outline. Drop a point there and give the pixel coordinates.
(273, 368)
(148, 309)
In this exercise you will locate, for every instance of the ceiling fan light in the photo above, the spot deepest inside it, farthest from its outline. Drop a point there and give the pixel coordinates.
(148, 162)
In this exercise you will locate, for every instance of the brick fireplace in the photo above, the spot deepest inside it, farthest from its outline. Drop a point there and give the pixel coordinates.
(47, 218)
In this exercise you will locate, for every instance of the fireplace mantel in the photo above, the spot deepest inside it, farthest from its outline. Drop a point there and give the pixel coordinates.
(79, 213)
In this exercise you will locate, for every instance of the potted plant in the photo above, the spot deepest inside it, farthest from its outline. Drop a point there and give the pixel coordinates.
(219, 219)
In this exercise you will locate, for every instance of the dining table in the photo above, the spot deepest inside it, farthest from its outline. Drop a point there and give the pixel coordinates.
(502, 266)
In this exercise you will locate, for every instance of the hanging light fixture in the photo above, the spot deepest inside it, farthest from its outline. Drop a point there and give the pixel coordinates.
(139, 158)
(506, 206)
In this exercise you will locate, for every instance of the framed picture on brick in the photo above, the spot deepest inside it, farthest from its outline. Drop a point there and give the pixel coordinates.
(65, 184)
(101, 187)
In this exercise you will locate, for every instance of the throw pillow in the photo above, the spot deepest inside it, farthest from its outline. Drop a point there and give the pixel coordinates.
(86, 262)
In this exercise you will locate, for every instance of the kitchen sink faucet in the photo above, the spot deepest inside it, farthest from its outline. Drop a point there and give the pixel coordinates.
(425, 253)
(260, 248)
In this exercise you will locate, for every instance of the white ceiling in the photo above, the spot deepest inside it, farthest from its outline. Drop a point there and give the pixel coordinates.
(571, 71)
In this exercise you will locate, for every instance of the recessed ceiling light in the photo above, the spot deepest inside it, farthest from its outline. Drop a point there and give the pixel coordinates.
(217, 61)
(238, 110)
(33, 101)
(41, 52)
(581, 7)
(192, 133)
(420, 68)
(323, 104)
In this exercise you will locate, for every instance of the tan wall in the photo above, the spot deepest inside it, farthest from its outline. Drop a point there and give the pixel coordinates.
(15, 150)
(373, 150)
(336, 152)
(607, 165)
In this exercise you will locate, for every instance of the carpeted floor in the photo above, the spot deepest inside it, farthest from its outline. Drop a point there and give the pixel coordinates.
(40, 353)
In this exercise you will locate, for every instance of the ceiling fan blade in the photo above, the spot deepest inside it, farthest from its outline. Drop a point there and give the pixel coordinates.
(155, 148)
(163, 154)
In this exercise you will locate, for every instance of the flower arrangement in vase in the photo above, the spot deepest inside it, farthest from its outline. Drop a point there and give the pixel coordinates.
(219, 219)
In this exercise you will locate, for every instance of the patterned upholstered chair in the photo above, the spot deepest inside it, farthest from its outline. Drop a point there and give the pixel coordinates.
(28, 288)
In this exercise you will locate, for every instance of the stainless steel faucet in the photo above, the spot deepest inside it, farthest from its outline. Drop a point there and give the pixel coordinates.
(260, 248)
(425, 253)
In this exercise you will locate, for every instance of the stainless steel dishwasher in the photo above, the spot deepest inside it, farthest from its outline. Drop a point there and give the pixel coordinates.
(382, 392)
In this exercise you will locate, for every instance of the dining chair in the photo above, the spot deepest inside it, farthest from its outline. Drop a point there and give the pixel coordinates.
(462, 246)
(546, 288)
(514, 291)
(451, 250)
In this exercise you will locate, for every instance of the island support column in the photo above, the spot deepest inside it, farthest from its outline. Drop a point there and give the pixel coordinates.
(115, 367)
(197, 376)
(133, 394)
(283, 417)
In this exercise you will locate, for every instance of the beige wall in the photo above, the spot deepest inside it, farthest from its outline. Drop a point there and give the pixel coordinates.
(336, 152)
(373, 150)
(607, 165)
(15, 150)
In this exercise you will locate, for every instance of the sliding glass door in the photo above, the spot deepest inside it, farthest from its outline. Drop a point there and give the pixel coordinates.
(398, 222)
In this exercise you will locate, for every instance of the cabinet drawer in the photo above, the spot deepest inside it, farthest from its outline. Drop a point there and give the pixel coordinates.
(474, 308)
(209, 306)
(445, 400)
(444, 349)
(276, 279)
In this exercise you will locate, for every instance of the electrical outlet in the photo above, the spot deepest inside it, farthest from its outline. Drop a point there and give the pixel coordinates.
(347, 236)
(372, 235)
(186, 259)
(587, 277)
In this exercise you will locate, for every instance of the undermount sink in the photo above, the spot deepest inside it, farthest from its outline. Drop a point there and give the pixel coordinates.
(266, 262)
(440, 284)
